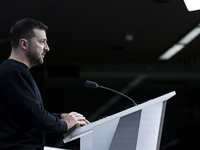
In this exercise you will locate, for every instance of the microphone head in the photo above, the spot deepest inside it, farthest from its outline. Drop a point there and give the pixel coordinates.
(91, 84)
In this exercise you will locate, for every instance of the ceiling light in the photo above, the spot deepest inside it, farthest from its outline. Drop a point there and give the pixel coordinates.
(171, 52)
(192, 4)
(129, 37)
(181, 44)
(190, 36)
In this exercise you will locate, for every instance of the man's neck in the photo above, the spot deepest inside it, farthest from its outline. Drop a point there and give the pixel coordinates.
(19, 57)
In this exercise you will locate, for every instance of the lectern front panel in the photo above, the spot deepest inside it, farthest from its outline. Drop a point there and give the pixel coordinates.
(125, 137)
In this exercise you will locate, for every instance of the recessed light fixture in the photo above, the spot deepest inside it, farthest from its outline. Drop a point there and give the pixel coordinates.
(190, 36)
(192, 5)
(129, 37)
(181, 44)
(171, 52)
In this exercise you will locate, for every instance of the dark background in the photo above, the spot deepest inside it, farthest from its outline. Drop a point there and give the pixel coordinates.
(87, 41)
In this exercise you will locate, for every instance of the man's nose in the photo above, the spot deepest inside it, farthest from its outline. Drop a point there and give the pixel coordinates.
(46, 47)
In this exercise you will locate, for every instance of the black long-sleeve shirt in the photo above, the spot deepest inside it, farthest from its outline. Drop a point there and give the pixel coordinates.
(23, 119)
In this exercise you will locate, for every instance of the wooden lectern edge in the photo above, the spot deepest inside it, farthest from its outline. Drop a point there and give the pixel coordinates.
(72, 129)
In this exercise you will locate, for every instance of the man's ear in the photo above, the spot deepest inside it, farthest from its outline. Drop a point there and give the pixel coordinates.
(23, 44)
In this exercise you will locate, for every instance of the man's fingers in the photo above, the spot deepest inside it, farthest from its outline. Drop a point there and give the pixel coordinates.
(73, 118)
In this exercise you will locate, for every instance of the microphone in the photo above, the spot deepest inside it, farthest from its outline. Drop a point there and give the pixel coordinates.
(94, 85)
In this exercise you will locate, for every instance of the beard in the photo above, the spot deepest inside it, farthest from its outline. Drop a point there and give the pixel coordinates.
(34, 56)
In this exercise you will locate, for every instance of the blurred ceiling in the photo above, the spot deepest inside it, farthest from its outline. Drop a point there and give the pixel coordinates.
(88, 40)
(88, 37)
(95, 31)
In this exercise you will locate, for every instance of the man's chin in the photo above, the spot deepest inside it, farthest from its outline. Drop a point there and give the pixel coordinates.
(41, 61)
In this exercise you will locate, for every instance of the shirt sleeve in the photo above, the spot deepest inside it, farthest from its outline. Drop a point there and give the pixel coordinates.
(57, 115)
(26, 105)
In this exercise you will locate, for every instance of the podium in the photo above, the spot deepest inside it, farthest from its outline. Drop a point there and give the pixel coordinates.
(137, 128)
(53, 148)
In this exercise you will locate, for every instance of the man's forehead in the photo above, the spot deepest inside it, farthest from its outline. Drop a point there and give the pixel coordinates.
(40, 33)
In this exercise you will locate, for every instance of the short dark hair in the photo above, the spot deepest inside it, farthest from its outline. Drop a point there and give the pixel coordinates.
(24, 29)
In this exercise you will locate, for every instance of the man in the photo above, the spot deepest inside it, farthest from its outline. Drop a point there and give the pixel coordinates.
(23, 118)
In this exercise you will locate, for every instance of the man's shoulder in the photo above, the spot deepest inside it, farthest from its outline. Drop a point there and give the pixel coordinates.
(10, 65)
(10, 68)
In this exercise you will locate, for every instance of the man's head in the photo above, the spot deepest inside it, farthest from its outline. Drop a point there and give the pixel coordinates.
(29, 41)
(24, 29)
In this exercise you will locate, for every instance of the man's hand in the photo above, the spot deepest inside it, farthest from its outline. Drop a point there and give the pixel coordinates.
(73, 118)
